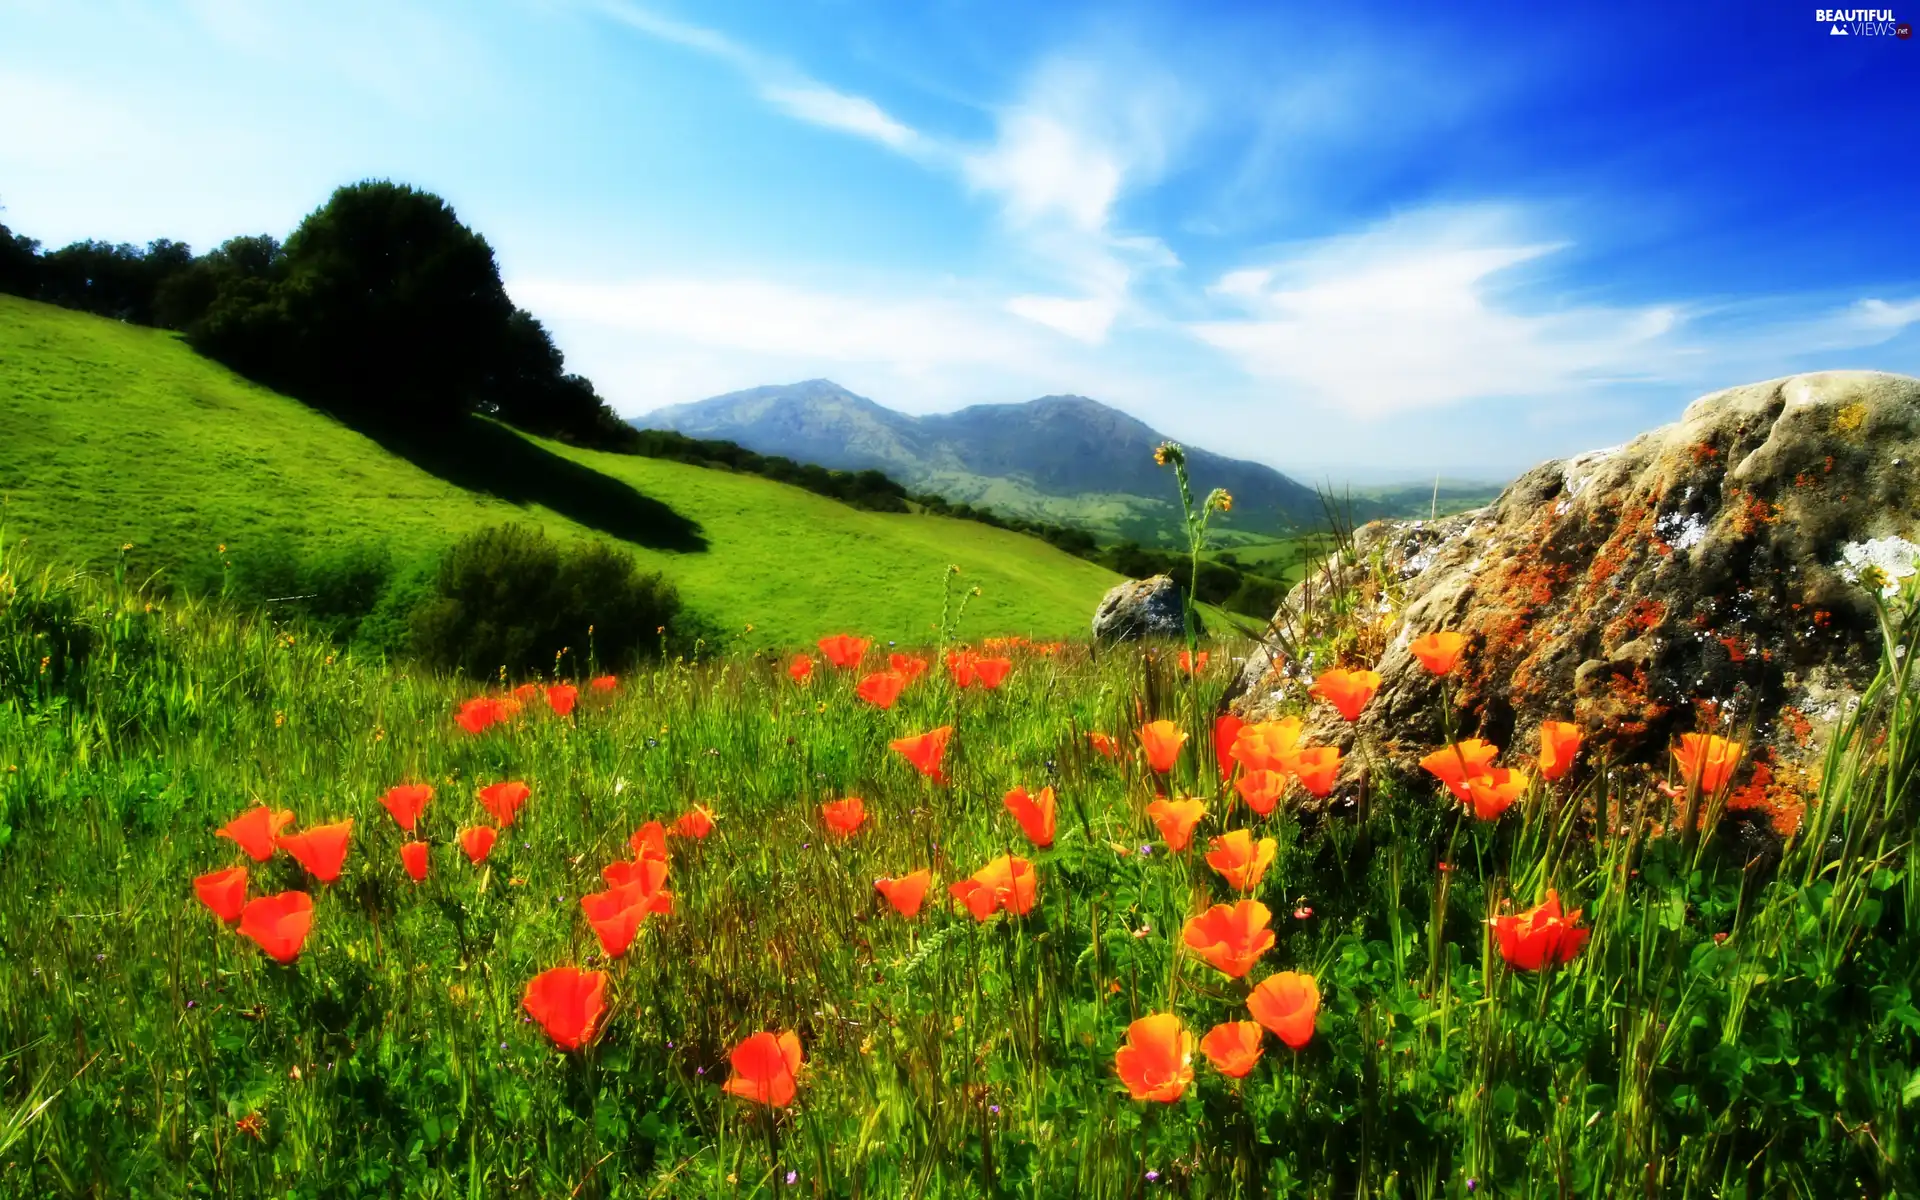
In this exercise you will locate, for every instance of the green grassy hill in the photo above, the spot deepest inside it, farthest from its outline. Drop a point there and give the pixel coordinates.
(112, 434)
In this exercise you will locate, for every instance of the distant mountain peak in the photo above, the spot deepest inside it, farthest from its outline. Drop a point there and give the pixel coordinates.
(1028, 458)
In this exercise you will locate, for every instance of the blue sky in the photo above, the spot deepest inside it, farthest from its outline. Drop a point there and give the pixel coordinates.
(1352, 240)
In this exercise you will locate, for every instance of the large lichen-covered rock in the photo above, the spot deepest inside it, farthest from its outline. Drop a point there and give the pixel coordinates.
(1710, 575)
(1141, 608)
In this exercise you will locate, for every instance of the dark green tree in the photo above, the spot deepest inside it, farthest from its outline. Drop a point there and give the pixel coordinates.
(19, 263)
(385, 307)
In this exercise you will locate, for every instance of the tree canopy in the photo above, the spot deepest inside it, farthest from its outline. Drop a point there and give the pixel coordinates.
(381, 306)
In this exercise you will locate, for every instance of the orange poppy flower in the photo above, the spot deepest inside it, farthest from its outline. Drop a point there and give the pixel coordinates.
(1035, 813)
(765, 1067)
(1231, 937)
(649, 841)
(617, 913)
(1006, 882)
(1241, 861)
(503, 800)
(1287, 1004)
(1347, 691)
(1157, 1061)
(1491, 794)
(1559, 743)
(1438, 652)
(907, 665)
(1162, 741)
(1268, 745)
(254, 831)
(642, 878)
(561, 698)
(1261, 790)
(1176, 819)
(1191, 665)
(1103, 743)
(1458, 762)
(413, 856)
(603, 683)
(478, 841)
(225, 892)
(526, 693)
(322, 850)
(1539, 936)
(926, 751)
(1233, 1047)
(960, 668)
(695, 823)
(637, 885)
(406, 802)
(568, 1003)
(801, 668)
(844, 817)
(881, 688)
(991, 672)
(1706, 759)
(279, 924)
(482, 713)
(906, 893)
(1226, 727)
(1317, 768)
(843, 650)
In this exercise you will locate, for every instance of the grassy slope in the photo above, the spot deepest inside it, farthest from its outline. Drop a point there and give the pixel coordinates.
(112, 434)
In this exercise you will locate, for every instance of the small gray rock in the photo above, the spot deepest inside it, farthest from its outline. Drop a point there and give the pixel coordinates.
(1141, 608)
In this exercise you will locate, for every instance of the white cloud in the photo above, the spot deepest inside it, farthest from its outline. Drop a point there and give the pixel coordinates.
(752, 316)
(1042, 167)
(1082, 133)
(1084, 130)
(779, 83)
(1880, 316)
(1408, 315)
(820, 105)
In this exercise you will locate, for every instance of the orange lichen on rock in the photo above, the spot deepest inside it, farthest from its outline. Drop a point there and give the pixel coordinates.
(1623, 709)
(1750, 514)
(1776, 790)
(1797, 725)
(1645, 615)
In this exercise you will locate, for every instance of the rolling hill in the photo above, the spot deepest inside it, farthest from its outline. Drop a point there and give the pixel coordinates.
(1059, 458)
(114, 435)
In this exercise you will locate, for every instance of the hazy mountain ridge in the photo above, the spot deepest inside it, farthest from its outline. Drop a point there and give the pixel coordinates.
(1052, 457)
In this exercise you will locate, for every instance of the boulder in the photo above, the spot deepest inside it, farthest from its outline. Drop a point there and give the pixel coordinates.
(1141, 608)
(1714, 575)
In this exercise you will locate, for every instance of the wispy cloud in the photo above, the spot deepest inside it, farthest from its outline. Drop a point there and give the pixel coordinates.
(1086, 129)
(779, 83)
(756, 316)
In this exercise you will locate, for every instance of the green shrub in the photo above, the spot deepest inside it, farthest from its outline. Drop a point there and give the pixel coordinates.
(511, 597)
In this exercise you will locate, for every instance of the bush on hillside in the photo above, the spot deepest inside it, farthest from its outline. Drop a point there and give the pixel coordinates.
(511, 597)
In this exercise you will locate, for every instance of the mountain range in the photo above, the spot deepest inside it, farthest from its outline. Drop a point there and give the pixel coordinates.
(1059, 458)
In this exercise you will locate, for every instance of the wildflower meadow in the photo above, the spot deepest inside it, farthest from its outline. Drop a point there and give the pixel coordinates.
(858, 919)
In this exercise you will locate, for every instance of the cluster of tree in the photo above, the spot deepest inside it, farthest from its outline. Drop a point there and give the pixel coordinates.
(382, 307)
(869, 489)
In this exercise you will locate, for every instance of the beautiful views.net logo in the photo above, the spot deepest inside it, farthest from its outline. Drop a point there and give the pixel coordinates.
(1862, 22)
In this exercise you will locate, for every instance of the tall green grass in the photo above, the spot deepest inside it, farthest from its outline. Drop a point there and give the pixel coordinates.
(944, 1057)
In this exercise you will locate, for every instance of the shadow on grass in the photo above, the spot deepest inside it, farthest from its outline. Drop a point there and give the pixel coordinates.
(486, 457)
